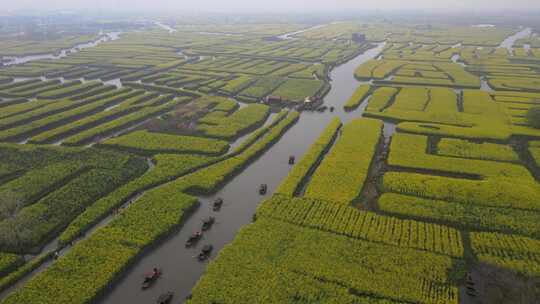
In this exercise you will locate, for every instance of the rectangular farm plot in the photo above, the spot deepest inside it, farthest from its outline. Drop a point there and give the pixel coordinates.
(461, 180)
(342, 173)
(221, 125)
(357, 98)
(262, 87)
(520, 254)
(296, 90)
(150, 142)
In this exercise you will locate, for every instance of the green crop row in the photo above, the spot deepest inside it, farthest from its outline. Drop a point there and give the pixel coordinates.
(224, 105)
(235, 124)
(110, 127)
(351, 222)
(486, 151)
(357, 98)
(262, 87)
(490, 192)
(237, 84)
(342, 173)
(296, 90)
(8, 280)
(468, 216)
(93, 92)
(28, 89)
(458, 75)
(9, 262)
(42, 90)
(34, 184)
(161, 89)
(365, 71)
(49, 108)
(16, 84)
(521, 254)
(406, 80)
(289, 186)
(495, 131)
(66, 116)
(153, 143)
(517, 84)
(70, 90)
(125, 107)
(411, 99)
(28, 229)
(380, 99)
(30, 110)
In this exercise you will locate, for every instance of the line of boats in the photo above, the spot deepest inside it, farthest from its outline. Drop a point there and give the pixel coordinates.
(206, 251)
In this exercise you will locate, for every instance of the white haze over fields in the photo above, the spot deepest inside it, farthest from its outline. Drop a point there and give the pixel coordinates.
(268, 6)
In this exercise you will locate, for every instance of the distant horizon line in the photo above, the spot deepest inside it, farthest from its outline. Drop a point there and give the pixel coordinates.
(318, 12)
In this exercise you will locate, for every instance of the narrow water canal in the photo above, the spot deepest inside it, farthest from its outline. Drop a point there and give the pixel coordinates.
(508, 43)
(180, 268)
(14, 60)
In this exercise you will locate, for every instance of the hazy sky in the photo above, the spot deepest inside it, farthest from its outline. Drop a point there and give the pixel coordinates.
(269, 5)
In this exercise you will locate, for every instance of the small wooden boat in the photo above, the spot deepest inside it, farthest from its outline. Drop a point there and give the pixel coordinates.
(291, 160)
(471, 292)
(217, 204)
(207, 223)
(263, 189)
(165, 298)
(205, 252)
(193, 239)
(151, 278)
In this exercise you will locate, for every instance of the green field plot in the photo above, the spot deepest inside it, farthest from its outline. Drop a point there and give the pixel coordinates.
(262, 87)
(238, 84)
(15, 47)
(116, 111)
(485, 151)
(220, 125)
(518, 84)
(148, 142)
(381, 98)
(467, 216)
(353, 223)
(476, 116)
(467, 181)
(42, 124)
(343, 171)
(110, 127)
(520, 254)
(57, 183)
(9, 262)
(357, 98)
(296, 90)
